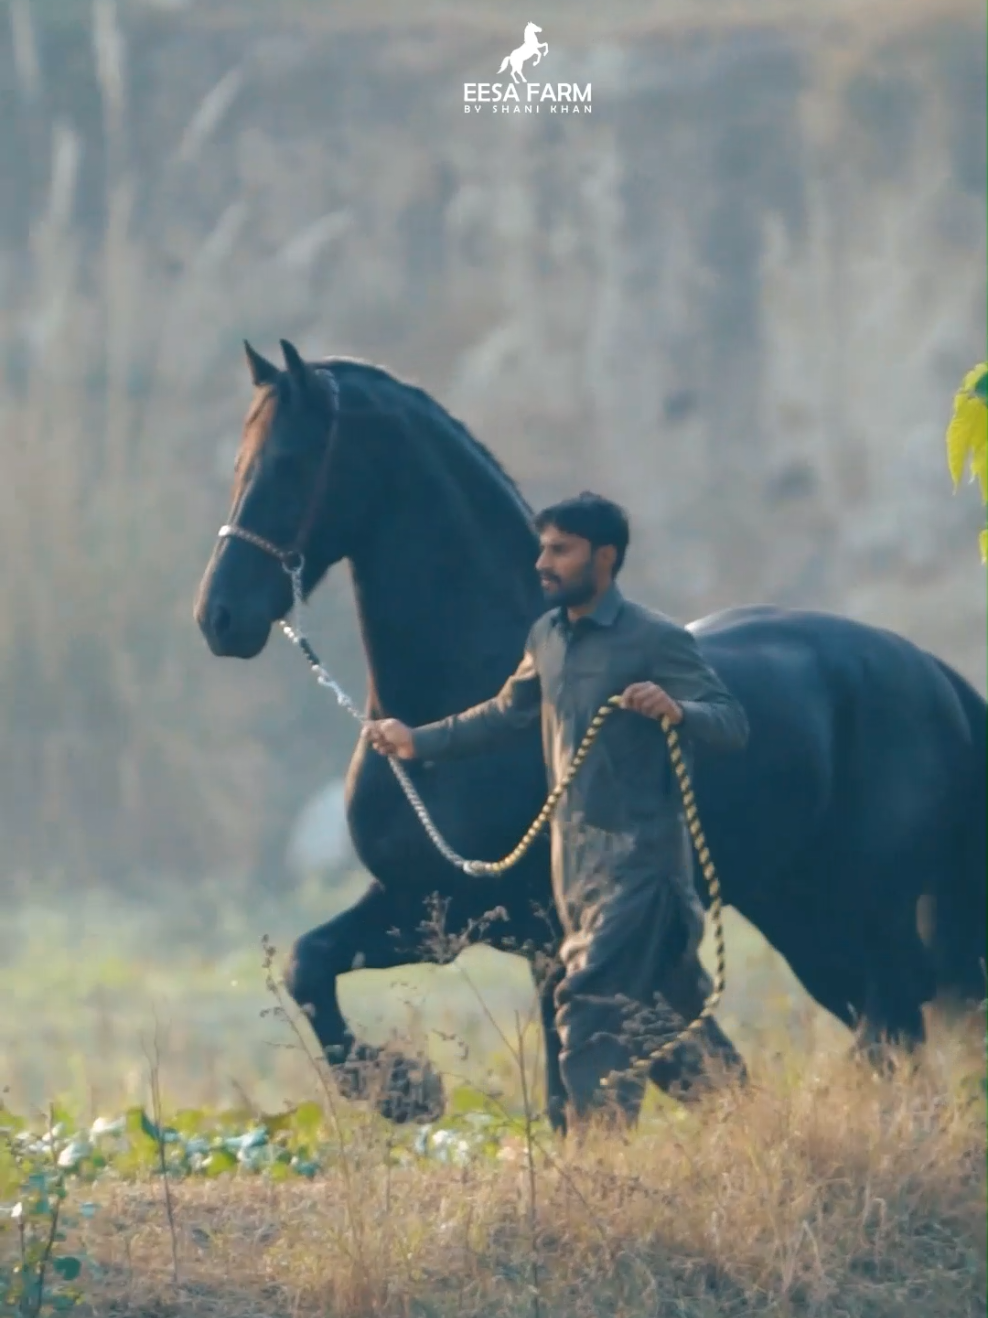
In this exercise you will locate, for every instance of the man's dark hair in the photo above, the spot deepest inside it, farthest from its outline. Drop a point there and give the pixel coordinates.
(593, 518)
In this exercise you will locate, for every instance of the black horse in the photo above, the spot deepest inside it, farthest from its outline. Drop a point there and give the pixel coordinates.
(861, 792)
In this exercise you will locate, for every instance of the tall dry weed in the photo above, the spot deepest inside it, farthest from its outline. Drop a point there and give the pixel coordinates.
(822, 1193)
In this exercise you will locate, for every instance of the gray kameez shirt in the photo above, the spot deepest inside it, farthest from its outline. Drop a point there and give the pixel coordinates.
(621, 819)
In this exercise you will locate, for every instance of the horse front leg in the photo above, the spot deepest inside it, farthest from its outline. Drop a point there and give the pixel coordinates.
(360, 938)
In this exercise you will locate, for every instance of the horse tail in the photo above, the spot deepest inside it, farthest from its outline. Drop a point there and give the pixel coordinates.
(504, 63)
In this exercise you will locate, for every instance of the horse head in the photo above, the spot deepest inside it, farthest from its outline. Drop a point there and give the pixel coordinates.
(293, 506)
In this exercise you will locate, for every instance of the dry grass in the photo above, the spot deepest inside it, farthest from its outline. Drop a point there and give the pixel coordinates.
(826, 1192)
(822, 1191)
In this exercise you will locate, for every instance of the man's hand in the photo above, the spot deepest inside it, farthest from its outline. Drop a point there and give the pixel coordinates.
(648, 699)
(390, 737)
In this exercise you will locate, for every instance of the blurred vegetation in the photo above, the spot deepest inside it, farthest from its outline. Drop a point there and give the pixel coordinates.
(126, 752)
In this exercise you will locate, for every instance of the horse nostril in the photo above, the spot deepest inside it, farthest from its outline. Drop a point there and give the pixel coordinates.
(219, 619)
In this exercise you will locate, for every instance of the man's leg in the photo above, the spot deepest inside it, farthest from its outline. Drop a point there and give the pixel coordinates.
(683, 1073)
(608, 981)
(684, 984)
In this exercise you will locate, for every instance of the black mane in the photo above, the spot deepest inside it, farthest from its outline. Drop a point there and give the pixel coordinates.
(443, 422)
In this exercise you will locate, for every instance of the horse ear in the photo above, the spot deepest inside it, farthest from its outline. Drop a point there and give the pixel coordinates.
(261, 370)
(297, 370)
(307, 383)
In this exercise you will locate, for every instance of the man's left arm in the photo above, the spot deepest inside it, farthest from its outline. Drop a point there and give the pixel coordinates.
(710, 713)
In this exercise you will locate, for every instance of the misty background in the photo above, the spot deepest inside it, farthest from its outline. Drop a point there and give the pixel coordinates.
(737, 297)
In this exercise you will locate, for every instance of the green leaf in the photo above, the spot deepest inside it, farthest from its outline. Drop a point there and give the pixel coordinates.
(62, 1115)
(236, 1119)
(220, 1161)
(67, 1267)
(280, 1122)
(307, 1119)
(137, 1160)
(137, 1124)
(150, 1129)
(190, 1122)
(466, 1099)
(11, 1177)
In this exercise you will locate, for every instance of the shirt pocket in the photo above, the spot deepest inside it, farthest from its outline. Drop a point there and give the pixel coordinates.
(597, 675)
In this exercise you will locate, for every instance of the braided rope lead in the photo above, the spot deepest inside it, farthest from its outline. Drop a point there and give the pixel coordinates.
(492, 867)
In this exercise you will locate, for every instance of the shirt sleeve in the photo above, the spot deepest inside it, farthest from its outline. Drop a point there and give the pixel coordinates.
(516, 706)
(710, 713)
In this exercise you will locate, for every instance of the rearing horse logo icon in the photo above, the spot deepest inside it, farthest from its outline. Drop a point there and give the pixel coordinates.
(521, 54)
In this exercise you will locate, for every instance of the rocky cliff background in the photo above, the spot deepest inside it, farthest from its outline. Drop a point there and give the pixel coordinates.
(738, 296)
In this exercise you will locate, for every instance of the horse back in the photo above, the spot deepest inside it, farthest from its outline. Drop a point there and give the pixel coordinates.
(861, 743)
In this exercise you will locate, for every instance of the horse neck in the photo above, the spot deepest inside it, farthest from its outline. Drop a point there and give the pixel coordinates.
(445, 592)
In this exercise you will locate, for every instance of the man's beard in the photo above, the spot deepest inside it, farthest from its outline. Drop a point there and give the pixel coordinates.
(569, 596)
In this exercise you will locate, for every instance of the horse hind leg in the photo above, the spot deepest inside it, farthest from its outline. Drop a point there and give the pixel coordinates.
(900, 979)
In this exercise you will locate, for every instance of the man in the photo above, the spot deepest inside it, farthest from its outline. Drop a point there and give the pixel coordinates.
(621, 852)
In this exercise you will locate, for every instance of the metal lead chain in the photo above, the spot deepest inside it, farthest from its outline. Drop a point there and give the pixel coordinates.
(293, 630)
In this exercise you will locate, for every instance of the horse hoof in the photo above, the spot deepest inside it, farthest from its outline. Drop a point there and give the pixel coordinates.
(399, 1089)
(878, 1056)
(414, 1093)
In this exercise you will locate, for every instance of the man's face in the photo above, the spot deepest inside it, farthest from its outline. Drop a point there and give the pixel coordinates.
(566, 568)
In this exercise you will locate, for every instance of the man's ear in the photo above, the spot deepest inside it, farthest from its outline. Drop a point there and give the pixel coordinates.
(606, 556)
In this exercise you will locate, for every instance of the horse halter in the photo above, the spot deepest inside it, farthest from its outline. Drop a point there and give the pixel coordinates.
(292, 559)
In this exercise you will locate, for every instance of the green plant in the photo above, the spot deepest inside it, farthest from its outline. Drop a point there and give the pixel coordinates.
(967, 437)
(38, 1274)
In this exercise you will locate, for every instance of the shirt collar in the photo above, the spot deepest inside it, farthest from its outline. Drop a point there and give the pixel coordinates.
(605, 614)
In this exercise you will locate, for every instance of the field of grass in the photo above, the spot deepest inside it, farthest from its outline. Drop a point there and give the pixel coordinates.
(822, 1191)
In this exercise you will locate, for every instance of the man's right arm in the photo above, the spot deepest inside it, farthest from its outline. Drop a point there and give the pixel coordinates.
(516, 707)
